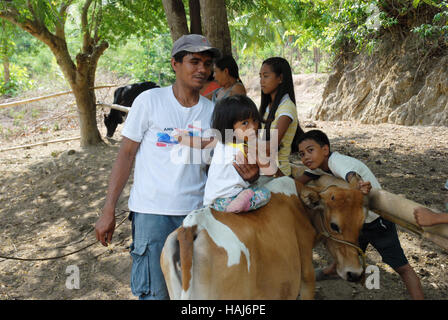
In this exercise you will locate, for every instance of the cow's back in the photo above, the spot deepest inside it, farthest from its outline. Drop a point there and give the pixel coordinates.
(253, 255)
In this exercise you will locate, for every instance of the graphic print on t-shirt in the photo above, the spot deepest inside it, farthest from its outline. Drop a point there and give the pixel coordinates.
(169, 135)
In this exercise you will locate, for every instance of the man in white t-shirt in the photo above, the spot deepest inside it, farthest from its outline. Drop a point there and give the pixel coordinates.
(169, 179)
(315, 154)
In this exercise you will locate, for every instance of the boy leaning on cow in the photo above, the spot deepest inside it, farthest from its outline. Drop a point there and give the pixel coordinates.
(315, 154)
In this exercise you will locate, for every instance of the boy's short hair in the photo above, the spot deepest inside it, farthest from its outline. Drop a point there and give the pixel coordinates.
(316, 135)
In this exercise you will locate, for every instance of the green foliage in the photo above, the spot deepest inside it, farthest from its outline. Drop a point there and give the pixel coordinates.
(20, 80)
(114, 21)
(288, 28)
(140, 42)
(123, 19)
(142, 59)
(438, 29)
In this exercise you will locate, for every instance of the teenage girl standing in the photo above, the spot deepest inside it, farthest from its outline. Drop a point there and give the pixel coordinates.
(278, 109)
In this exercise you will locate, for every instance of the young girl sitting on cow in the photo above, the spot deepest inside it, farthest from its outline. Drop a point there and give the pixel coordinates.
(315, 154)
(235, 122)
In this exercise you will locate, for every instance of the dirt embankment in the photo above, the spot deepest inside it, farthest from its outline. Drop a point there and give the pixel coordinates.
(399, 84)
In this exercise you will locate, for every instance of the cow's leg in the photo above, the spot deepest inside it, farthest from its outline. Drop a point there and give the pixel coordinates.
(308, 283)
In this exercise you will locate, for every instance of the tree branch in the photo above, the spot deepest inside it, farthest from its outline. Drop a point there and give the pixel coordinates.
(60, 27)
(97, 52)
(87, 40)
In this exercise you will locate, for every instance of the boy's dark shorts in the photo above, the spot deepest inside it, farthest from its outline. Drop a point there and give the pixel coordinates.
(382, 235)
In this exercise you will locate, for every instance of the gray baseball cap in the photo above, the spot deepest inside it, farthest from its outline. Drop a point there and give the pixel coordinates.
(194, 43)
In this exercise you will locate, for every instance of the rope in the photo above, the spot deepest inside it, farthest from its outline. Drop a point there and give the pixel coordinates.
(61, 256)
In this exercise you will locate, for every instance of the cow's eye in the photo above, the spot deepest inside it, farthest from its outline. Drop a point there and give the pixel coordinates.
(334, 227)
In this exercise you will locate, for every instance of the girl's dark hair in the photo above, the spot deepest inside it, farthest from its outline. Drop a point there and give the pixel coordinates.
(232, 109)
(231, 65)
(279, 66)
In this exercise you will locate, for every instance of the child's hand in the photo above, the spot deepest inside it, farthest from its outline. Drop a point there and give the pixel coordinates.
(364, 187)
(424, 217)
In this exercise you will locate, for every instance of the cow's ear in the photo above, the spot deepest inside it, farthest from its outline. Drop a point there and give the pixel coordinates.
(310, 197)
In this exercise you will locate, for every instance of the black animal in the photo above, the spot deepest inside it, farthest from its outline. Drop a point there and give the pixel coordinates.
(124, 96)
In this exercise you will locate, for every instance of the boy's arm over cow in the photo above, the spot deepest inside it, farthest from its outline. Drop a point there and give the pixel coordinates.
(356, 182)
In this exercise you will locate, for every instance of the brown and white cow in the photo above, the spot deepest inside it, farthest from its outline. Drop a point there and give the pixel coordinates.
(266, 253)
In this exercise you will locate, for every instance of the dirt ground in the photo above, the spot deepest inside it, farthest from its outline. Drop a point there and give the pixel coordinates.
(51, 196)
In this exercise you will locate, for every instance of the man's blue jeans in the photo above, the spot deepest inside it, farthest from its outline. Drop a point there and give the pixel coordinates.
(149, 232)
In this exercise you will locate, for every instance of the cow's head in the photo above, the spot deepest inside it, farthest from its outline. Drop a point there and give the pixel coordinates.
(339, 217)
(111, 121)
(111, 126)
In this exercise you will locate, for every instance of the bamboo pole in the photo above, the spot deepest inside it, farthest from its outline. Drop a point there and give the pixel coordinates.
(403, 209)
(38, 144)
(113, 106)
(16, 103)
(100, 104)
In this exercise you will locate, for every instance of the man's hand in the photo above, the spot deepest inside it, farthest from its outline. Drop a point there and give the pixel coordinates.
(105, 227)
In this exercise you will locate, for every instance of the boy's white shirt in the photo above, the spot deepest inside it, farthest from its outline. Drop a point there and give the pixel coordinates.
(340, 165)
(169, 179)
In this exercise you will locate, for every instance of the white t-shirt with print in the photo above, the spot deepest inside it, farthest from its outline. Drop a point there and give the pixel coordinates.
(340, 165)
(169, 178)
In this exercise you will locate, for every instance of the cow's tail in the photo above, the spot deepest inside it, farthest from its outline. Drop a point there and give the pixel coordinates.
(177, 262)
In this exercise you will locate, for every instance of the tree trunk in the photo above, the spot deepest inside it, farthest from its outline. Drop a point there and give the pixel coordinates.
(177, 20)
(316, 59)
(6, 71)
(215, 24)
(81, 78)
(86, 102)
(195, 16)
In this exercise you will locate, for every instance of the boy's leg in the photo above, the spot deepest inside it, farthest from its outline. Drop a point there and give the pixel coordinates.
(411, 281)
(383, 236)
